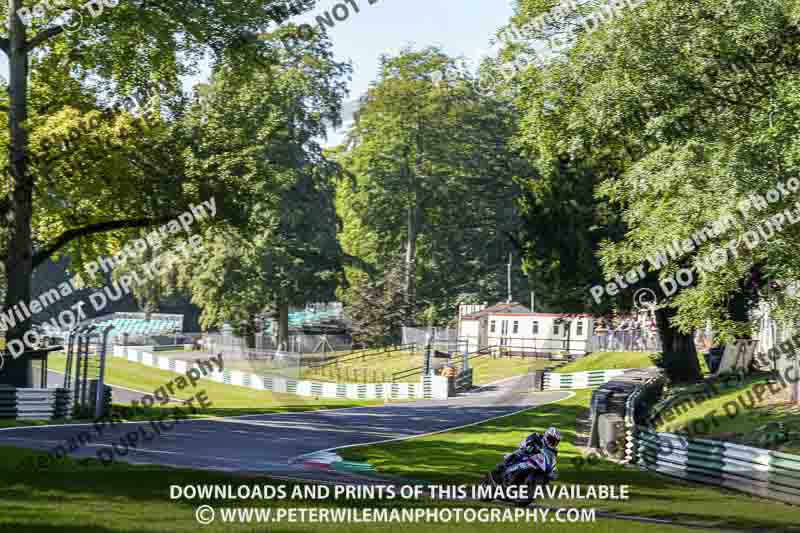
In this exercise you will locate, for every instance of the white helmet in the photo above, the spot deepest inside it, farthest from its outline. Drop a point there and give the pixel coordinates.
(552, 437)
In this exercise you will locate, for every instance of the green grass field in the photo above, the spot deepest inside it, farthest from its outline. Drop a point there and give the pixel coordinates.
(467, 454)
(227, 400)
(356, 369)
(745, 425)
(486, 369)
(379, 369)
(374, 369)
(126, 498)
(611, 360)
(307, 357)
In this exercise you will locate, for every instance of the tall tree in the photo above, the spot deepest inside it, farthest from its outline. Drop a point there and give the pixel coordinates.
(429, 171)
(283, 249)
(680, 111)
(94, 65)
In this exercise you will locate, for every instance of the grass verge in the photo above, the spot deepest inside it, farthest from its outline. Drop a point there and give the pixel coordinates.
(745, 412)
(123, 498)
(486, 369)
(465, 455)
(611, 360)
(227, 400)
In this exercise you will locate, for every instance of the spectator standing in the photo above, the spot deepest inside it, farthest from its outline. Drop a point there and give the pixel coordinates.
(624, 334)
(636, 334)
(601, 334)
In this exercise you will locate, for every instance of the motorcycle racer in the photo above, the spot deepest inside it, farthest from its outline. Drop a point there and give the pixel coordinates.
(532, 445)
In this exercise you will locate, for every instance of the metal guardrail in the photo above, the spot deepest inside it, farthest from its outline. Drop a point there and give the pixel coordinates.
(430, 387)
(351, 374)
(34, 404)
(580, 380)
(638, 340)
(364, 354)
(489, 350)
(335, 359)
(766, 473)
(464, 380)
(407, 373)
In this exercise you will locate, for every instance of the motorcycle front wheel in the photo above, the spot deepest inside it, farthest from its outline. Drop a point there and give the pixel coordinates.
(487, 481)
(532, 481)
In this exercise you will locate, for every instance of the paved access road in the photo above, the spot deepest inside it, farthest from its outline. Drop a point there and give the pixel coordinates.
(267, 443)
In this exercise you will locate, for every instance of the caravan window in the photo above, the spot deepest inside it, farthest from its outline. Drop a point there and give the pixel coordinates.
(491, 326)
(580, 328)
(555, 328)
(535, 327)
(516, 327)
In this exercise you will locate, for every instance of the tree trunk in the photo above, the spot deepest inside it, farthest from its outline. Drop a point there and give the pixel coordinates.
(409, 286)
(739, 305)
(250, 332)
(679, 355)
(411, 258)
(283, 325)
(18, 263)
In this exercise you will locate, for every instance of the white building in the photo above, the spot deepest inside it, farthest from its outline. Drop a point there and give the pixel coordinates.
(783, 335)
(514, 326)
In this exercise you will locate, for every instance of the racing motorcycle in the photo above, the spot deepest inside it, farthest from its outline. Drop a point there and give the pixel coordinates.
(530, 471)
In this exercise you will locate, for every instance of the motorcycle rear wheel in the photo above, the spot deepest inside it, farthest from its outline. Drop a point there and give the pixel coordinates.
(523, 478)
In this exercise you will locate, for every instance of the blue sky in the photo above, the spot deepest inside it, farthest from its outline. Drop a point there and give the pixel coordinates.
(460, 27)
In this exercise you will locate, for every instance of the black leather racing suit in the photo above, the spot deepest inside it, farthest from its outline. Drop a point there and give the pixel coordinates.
(532, 445)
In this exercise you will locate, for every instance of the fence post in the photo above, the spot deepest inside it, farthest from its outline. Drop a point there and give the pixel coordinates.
(428, 355)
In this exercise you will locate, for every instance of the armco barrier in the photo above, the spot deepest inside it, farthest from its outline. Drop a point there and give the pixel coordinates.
(764, 473)
(579, 380)
(644, 396)
(33, 404)
(429, 387)
(615, 398)
(756, 471)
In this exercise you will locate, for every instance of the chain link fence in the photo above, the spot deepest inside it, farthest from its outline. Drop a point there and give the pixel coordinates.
(628, 340)
(322, 345)
(443, 339)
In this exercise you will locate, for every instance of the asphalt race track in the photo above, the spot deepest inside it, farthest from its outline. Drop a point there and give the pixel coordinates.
(267, 443)
(271, 443)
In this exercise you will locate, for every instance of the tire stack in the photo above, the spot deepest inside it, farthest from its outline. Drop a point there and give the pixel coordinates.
(612, 398)
(583, 428)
